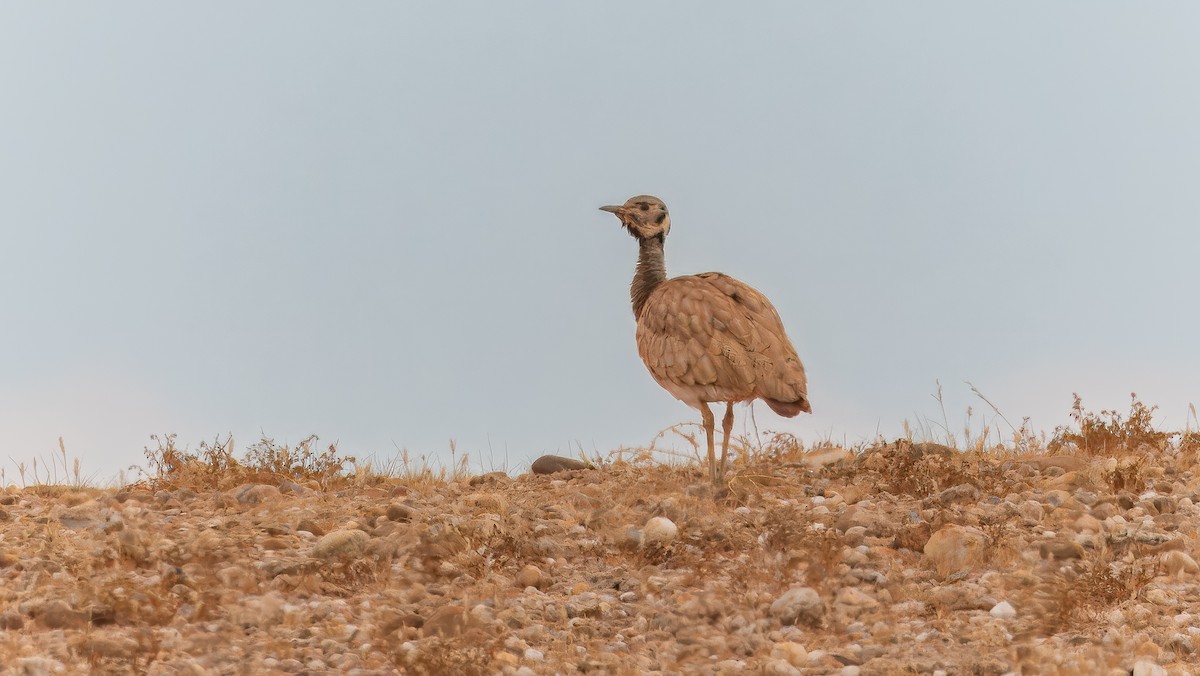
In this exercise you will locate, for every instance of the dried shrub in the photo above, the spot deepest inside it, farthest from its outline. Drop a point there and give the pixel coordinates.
(922, 469)
(1079, 593)
(302, 462)
(1108, 432)
(1127, 476)
(468, 655)
(797, 544)
(214, 465)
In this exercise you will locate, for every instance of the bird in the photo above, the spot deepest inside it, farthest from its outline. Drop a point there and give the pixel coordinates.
(707, 338)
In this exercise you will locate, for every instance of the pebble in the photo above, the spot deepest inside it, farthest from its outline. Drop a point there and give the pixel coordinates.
(398, 512)
(791, 652)
(249, 495)
(58, 614)
(310, 526)
(782, 668)
(854, 535)
(1031, 509)
(1059, 549)
(11, 621)
(855, 598)
(799, 605)
(530, 576)
(954, 548)
(341, 544)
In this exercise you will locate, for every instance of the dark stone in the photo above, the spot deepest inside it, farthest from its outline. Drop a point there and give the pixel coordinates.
(549, 464)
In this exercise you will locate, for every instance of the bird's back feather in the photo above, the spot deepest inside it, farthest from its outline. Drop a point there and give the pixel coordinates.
(710, 337)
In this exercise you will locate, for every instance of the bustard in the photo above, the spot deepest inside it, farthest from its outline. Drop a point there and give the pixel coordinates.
(707, 338)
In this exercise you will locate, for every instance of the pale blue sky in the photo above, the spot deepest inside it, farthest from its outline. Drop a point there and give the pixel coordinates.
(377, 222)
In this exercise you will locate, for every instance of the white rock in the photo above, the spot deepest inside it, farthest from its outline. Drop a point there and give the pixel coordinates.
(534, 655)
(659, 531)
(1003, 610)
(1147, 668)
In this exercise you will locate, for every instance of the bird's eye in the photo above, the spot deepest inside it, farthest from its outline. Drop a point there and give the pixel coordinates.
(660, 219)
(645, 207)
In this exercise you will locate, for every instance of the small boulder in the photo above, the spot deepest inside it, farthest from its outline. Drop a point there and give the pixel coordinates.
(954, 548)
(1060, 549)
(58, 614)
(249, 495)
(310, 526)
(399, 512)
(912, 536)
(549, 464)
(341, 544)
(799, 605)
(531, 576)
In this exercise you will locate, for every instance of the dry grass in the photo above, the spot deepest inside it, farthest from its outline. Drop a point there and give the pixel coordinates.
(931, 457)
(216, 465)
(41, 474)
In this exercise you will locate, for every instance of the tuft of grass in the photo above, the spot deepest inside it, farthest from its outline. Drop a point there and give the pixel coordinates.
(419, 470)
(61, 470)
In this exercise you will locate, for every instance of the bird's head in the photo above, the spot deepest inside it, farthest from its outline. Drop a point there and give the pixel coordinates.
(645, 216)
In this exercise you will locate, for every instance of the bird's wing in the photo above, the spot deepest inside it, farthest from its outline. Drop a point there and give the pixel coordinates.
(681, 337)
(750, 320)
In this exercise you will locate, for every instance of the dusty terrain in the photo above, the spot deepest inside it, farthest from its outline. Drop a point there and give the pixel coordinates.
(900, 558)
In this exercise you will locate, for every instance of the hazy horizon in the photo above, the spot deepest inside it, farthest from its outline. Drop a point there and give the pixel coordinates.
(378, 222)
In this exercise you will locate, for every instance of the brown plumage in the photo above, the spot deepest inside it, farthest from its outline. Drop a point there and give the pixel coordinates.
(708, 337)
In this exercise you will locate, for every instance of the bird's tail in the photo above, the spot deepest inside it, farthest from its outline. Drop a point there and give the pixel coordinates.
(789, 409)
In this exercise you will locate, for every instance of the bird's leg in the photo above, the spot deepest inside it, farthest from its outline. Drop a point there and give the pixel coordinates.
(727, 425)
(709, 423)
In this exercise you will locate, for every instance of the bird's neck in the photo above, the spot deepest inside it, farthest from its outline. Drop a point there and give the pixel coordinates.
(651, 271)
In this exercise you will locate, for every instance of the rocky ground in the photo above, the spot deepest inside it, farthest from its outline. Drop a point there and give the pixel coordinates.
(898, 559)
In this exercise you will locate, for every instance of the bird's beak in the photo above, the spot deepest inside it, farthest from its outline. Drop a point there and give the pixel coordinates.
(612, 210)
